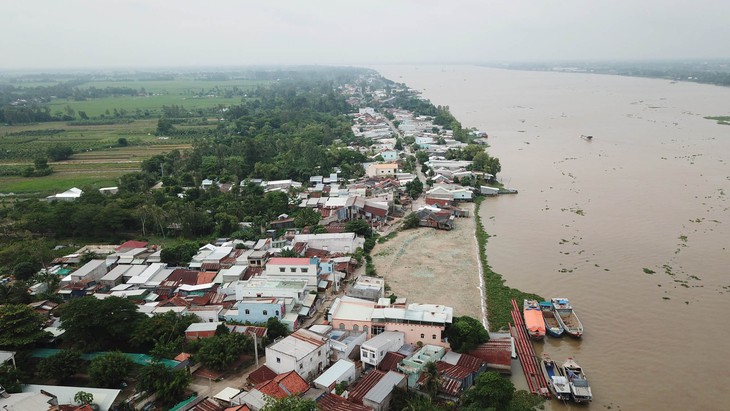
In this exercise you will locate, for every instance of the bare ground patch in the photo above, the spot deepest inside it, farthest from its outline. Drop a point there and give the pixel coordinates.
(434, 266)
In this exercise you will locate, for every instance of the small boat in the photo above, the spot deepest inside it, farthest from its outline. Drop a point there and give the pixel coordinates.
(580, 390)
(534, 322)
(552, 325)
(567, 317)
(557, 382)
(585, 137)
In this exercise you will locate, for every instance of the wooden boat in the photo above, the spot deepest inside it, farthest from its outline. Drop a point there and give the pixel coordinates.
(552, 325)
(557, 382)
(580, 390)
(567, 317)
(534, 322)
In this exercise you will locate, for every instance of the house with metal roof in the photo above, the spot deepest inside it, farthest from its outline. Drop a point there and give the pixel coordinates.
(342, 370)
(303, 351)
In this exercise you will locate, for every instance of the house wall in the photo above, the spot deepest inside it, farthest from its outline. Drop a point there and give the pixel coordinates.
(308, 367)
(258, 312)
(194, 335)
(294, 272)
(374, 354)
(413, 333)
(207, 316)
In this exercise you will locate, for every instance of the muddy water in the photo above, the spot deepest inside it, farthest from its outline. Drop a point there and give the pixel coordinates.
(649, 191)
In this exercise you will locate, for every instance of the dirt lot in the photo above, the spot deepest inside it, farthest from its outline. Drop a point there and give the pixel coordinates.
(434, 266)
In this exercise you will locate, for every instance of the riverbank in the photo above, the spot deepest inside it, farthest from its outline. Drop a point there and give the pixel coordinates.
(498, 295)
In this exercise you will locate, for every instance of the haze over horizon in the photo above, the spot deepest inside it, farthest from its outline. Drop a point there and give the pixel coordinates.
(45, 34)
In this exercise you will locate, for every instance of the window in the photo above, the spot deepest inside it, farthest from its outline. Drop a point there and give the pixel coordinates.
(282, 269)
(266, 312)
(319, 353)
(248, 311)
(423, 336)
(342, 326)
(278, 360)
(365, 329)
(277, 313)
(294, 270)
(355, 328)
(433, 336)
(304, 270)
(301, 366)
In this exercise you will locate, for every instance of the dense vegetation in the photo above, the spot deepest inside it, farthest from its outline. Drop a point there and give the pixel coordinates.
(699, 71)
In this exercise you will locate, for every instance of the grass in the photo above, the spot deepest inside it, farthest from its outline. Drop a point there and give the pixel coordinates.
(58, 182)
(499, 295)
(97, 161)
(724, 120)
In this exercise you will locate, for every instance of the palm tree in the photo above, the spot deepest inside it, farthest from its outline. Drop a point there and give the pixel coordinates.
(432, 381)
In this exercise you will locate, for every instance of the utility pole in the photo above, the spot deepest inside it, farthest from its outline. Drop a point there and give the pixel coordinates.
(255, 347)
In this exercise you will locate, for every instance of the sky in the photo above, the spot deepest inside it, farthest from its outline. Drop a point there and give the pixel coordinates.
(43, 34)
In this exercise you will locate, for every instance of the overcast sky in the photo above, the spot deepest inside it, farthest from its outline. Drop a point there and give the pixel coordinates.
(148, 33)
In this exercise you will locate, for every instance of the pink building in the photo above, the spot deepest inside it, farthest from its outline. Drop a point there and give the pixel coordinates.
(423, 323)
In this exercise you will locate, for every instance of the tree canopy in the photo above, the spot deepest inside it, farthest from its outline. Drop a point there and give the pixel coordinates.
(490, 391)
(109, 369)
(20, 326)
(61, 365)
(466, 333)
(290, 403)
(94, 324)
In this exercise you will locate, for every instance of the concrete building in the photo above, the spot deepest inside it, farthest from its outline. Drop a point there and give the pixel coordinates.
(268, 287)
(374, 350)
(303, 351)
(381, 169)
(257, 310)
(333, 242)
(286, 268)
(342, 370)
(93, 270)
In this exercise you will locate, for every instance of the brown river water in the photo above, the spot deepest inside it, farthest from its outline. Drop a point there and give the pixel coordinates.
(649, 191)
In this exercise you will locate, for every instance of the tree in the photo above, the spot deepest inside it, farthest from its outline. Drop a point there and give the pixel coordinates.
(24, 270)
(178, 253)
(10, 378)
(307, 217)
(414, 188)
(290, 403)
(359, 227)
(110, 369)
(490, 390)
(60, 366)
(276, 329)
(83, 115)
(40, 163)
(164, 126)
(220, 351)
(83, 398)
(122, 142)
(410, 221)
(163, 332)
(466, 333)
(20, 326)
(170, 385)
(432, 381)
(60, 152)
(91, 323)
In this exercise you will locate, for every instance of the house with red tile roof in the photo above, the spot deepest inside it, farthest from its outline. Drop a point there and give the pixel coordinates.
(332, 402)
(284, 385)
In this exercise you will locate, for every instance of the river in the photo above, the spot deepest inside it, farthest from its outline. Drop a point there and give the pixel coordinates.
(648, 192)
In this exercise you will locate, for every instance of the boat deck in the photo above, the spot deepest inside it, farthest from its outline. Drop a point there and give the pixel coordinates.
(530, 363)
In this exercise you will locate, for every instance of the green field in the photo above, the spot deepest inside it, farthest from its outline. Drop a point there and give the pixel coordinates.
(97, 161)
(97, 107)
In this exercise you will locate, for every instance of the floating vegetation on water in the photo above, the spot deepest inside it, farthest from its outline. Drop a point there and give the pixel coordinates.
(683, 238)
(668, 270)
(666, 298)
(648, 271)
